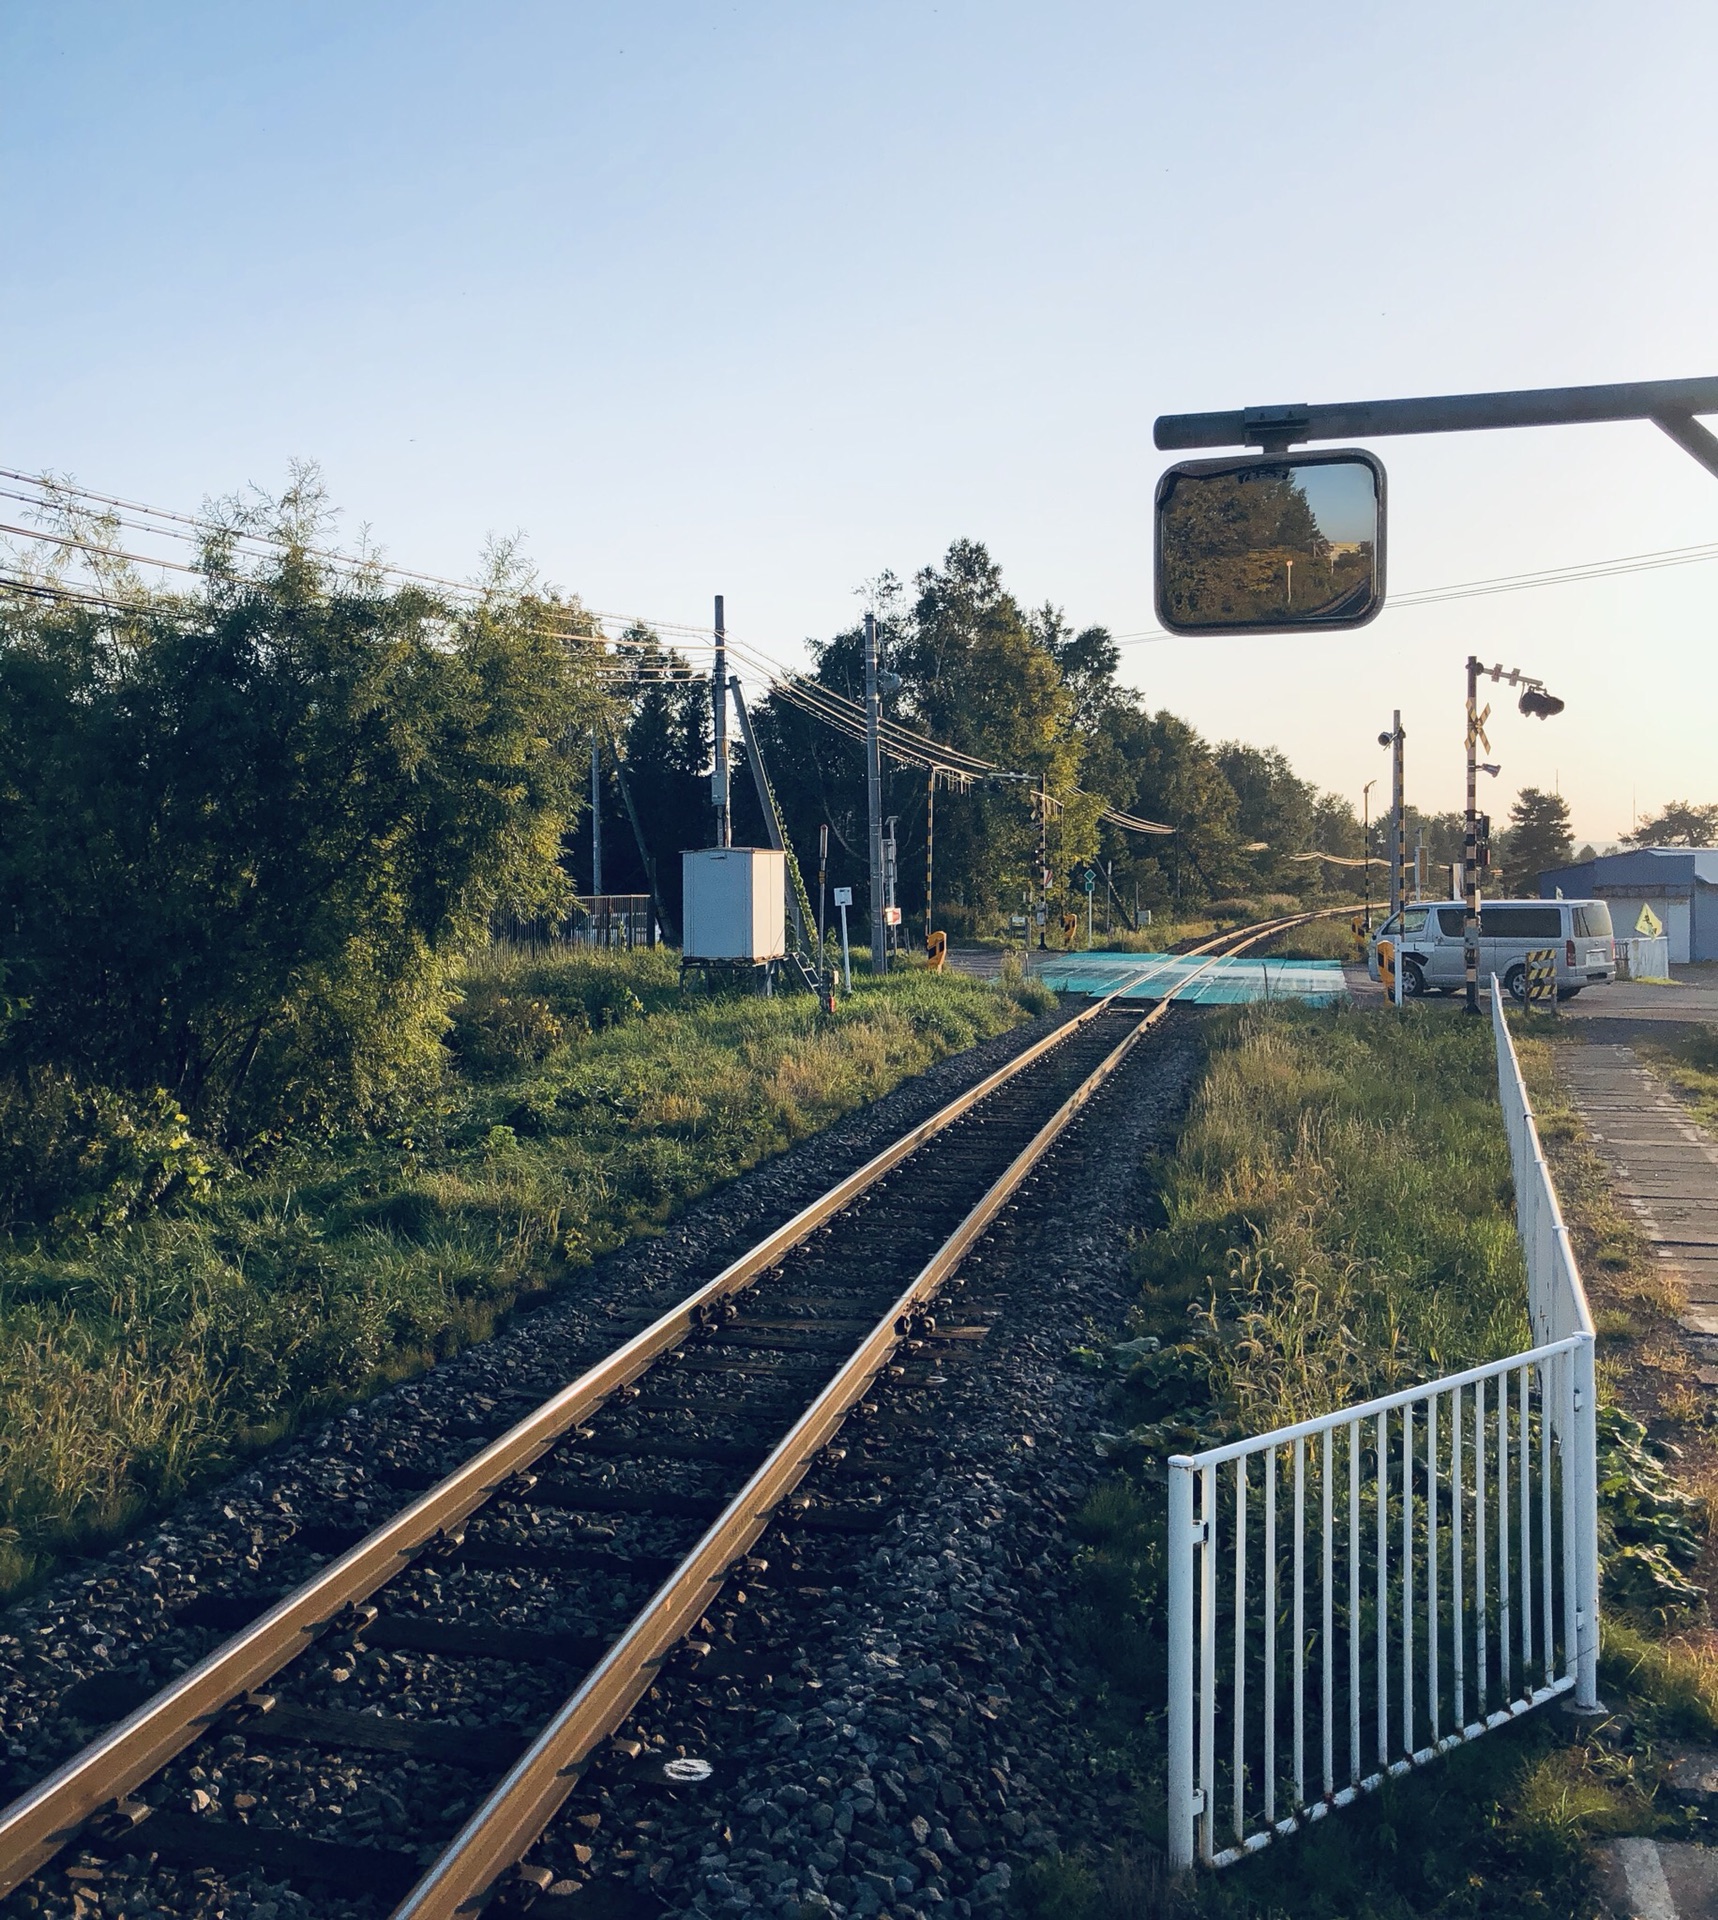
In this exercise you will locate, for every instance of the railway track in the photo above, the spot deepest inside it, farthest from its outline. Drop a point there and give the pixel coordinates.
(578, 1550)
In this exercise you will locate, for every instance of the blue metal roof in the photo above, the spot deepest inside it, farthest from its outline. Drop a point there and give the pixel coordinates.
(1674, 868)
(1204, 982)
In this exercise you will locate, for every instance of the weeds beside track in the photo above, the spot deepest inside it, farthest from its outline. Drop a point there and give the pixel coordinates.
(584, 1101)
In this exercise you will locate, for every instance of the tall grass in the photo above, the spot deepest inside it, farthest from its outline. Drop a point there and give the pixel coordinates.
(585, 1100)
(1337, 1211)
(1336, 1221)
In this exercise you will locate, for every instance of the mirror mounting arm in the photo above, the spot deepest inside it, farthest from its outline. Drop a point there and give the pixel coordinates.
(1669, 404)
(1691, 437)
(1276, 429)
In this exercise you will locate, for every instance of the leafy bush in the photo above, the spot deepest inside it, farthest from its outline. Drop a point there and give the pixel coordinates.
(495, 1032)
(75, 1157)
(244, 835)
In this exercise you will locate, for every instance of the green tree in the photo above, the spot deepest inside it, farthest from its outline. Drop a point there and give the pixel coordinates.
(1171, 774)
(1681, 824)
(1538, 839)
(977, 674)
(1274, 814)
(245, 832)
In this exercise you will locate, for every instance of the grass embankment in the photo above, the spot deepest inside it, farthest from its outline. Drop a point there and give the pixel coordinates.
(1336, 1223)
(1329, 939)
(584, 1101)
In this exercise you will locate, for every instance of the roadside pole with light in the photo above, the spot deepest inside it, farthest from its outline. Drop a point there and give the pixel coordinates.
(1537, 704)
(1399, 827)
(1366, 845)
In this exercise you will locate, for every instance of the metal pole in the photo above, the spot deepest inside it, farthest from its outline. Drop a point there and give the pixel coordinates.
(874, 800)
(822, 886)
(1470, 846)
(891, 887)
(846, 955)
(1182, 1808)
(1366, 846)
(596, 821)
(1399, 836)
(930, 838)
(1580, 1466)
(1043, 861)
(719, 696)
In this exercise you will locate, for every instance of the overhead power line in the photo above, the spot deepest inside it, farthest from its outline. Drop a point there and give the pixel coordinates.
(1571, 575)
(810, 696)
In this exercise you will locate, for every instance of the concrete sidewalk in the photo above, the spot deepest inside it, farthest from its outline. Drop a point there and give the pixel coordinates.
(1662, 1165)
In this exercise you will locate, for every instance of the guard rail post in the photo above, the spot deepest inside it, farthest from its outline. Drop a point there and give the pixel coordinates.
(1182, 1810)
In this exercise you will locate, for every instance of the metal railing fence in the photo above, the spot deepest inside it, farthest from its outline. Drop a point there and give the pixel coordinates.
(1353, 1595)
(1556, 1300)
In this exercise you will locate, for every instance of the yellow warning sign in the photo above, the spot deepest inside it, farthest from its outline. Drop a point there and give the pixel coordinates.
(1648, 926)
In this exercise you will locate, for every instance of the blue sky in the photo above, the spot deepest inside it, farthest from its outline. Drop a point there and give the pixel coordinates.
(761, 300)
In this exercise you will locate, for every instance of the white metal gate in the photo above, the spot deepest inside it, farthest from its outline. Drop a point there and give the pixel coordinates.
(1354, 1595)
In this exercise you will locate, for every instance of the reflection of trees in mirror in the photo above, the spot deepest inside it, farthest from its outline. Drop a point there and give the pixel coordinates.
(1246, 548)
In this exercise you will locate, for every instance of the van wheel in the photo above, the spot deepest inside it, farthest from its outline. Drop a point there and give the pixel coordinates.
(1413, 980)
(1515, 985)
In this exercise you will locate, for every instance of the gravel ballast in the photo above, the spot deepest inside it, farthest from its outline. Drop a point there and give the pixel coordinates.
(925, 1738)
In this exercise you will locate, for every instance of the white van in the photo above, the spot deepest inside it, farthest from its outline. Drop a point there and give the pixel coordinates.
(1428, 936)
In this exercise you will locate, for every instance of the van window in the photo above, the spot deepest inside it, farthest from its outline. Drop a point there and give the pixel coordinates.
(1413, 920)
(1593, 921)
(1452, 921)
(1521, 923)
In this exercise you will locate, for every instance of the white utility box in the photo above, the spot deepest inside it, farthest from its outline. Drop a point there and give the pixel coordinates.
(735, 904)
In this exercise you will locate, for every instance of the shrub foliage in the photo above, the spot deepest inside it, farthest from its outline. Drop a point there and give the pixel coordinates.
(244, 832)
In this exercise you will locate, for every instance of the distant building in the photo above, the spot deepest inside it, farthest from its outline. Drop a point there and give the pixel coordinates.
(1680, 884)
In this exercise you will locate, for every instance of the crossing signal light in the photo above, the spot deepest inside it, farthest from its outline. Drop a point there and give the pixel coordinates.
(1482, 840)
(1537, 704)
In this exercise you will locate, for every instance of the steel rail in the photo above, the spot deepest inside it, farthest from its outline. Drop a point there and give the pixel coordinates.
(45, 1819)
(512, 1818)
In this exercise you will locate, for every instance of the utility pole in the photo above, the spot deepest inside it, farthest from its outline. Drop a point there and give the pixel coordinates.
(719, 695)
(930, 839)
(1366, 846)
(874, 800)
(596, 823)
(822, 884)
(1042, 915)
(1470, 845)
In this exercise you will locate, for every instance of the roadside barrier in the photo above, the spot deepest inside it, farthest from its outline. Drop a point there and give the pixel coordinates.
(1390, 1579)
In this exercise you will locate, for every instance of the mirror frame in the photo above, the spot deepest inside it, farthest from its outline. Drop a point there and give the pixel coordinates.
(1245, 463)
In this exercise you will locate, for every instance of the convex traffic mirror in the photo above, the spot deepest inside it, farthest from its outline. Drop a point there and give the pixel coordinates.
(1271, 543)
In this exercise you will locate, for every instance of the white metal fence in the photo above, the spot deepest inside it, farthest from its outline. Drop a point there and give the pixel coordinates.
(1355, 1595)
